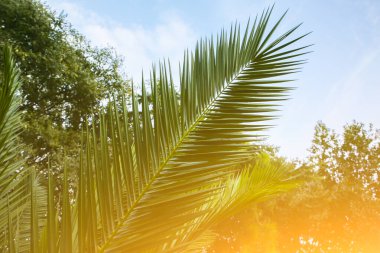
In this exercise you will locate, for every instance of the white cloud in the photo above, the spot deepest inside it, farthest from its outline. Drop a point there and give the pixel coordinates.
(141, 46)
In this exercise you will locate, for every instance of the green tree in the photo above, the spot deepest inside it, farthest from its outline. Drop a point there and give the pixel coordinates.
(360, 157)
(352, 160)
(337, 209)
(64, 78)
(324, 153)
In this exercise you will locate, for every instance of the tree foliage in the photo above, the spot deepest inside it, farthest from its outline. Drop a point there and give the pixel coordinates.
(337, 209)
(354, 158)
(64, 78)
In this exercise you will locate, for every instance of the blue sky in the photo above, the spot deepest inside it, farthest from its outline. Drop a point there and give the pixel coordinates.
(339, 84)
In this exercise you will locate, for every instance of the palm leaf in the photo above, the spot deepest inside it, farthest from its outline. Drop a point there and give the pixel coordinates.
(12, 199)
(9, 123)
(22, 199)
(158, 182)
(149, 180)
(260, 179)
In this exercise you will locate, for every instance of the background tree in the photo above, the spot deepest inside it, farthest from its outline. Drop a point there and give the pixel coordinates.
(64, 78)
(337, 209)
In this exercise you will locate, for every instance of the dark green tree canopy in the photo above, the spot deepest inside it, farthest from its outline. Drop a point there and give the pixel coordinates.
(64, 78)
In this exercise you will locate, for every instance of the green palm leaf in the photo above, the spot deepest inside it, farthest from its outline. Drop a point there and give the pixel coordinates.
(9, 122)
(22, 199)
(260, 179)
(156, 178)
(151, 182)
(11, 196)
(158, 181)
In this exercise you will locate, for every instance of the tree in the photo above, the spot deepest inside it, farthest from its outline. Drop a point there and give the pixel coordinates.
(324, 153)
(337, 209)
(360, 157)
(353, 160)
(64, 78)
(161, 181)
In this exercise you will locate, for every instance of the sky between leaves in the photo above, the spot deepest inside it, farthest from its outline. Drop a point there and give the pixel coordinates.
(340, 82)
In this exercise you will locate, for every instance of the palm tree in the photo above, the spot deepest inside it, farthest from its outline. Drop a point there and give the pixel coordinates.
(160, 181)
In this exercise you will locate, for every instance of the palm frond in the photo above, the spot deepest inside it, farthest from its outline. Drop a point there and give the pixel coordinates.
(153, 177)
(11, 196)
(158, 181)
(199, 243)
(258, 180)
(9, 122)
(22, 199)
